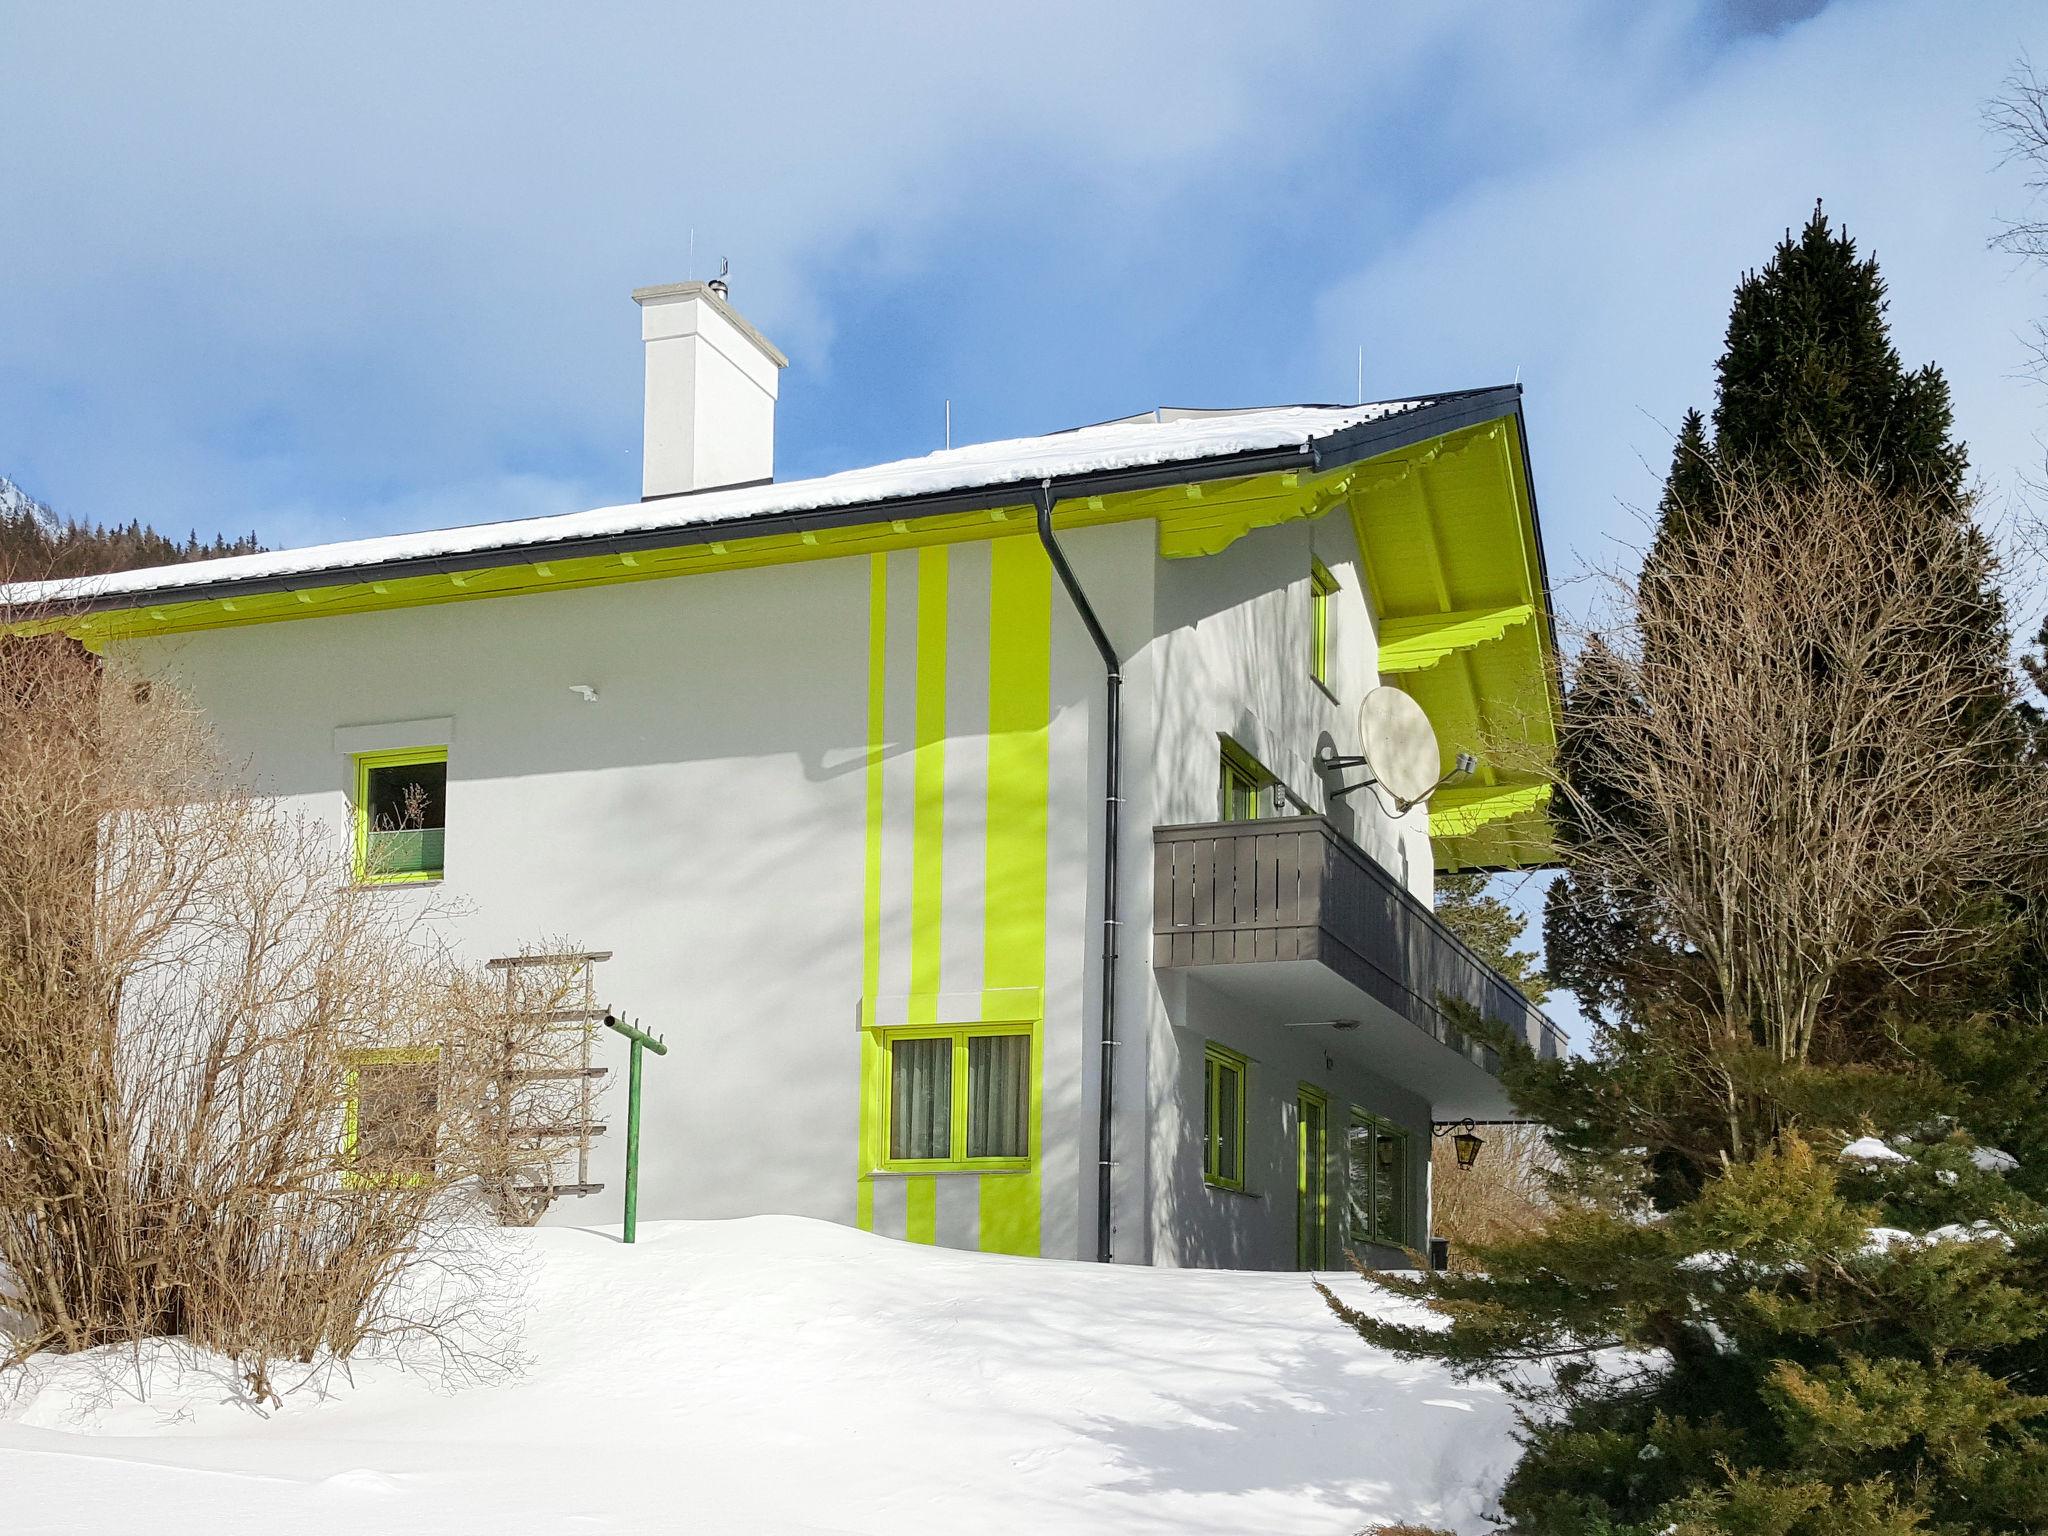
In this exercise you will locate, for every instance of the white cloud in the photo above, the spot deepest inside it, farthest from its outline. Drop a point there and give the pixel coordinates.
(269, 256)
(1604, 276)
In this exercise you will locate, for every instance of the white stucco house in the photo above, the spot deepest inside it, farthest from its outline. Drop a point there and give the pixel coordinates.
(958, 821)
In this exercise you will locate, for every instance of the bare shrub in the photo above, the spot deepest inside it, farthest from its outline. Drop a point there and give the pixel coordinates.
(1502, 1195)
(194, 1002)
(1799, 776)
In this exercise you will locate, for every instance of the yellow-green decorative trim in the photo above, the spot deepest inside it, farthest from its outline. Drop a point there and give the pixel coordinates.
(1220, 516)
(1238, 505)
(921, 1210)
(1448, 556)
(1461, 812)
(1411, 645)
(1014, 871)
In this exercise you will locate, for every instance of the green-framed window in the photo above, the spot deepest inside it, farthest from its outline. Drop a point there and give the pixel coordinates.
(392, 1118)
(1223, 1082)
(401, 815)
(1320, 585)
(1244, 780)
(1378, 1171)
(958, 1098)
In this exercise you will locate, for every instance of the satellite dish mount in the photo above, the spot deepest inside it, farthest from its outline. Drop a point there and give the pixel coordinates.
(1401, 755)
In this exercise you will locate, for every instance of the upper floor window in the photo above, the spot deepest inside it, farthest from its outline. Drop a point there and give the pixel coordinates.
(1243, 782)
(401, 815)
(1320, 585)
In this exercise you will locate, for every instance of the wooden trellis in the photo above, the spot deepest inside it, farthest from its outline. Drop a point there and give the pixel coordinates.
(542, 1087)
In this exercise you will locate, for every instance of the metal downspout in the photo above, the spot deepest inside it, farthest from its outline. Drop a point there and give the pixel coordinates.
(1112, 805)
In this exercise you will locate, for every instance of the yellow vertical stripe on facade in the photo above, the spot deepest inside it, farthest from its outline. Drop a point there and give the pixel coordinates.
(928, 821)
(871, 1064)
(921, 1210)
(1019, 781)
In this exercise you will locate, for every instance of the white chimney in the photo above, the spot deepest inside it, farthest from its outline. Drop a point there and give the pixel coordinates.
(711, 385)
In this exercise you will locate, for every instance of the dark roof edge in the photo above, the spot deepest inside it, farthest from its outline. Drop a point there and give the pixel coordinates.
(1542, 560)
(1366, 440)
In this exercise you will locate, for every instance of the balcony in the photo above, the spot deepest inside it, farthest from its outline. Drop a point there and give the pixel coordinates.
(1298, 925)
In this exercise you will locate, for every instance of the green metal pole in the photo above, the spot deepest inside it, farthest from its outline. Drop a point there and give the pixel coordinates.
(641, 1041)
(633, 1142)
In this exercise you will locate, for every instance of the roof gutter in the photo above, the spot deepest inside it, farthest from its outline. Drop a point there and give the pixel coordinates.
(1112, 806)
(1366, 440)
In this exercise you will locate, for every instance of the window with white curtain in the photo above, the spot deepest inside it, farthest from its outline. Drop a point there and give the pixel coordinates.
(960, 1096)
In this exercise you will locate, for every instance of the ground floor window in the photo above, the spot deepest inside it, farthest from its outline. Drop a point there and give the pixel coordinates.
(959, 1096)
(393, 1117)
(1223, 1074)
(1377, 1170)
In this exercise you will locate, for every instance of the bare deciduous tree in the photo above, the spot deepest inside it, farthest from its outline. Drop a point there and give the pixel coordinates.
(1797, 778)
(1502, 1195)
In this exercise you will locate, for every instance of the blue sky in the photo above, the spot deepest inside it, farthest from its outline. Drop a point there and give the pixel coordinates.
(331, 272)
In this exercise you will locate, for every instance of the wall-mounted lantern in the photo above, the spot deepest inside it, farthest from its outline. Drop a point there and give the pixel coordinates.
(1465, 1143)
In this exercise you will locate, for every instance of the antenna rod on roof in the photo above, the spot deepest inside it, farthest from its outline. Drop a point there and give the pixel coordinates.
(1361, 374)
(949, 423)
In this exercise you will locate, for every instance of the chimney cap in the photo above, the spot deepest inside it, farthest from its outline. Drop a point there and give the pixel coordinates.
(676, 293)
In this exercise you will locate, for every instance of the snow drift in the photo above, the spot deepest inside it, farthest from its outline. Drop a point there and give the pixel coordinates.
(778, 1375)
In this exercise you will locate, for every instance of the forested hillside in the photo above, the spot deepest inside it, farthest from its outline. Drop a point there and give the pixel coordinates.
(35, 543)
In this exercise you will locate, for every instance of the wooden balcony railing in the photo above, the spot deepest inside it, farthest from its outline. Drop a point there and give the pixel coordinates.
(1257, 892)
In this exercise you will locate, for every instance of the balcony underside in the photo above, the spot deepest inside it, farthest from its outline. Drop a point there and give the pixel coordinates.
(1301, 928)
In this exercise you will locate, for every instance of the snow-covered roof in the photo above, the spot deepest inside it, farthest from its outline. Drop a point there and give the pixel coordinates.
(1168, 437)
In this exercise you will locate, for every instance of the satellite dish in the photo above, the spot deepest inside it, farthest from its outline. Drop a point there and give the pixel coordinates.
(1400, 744)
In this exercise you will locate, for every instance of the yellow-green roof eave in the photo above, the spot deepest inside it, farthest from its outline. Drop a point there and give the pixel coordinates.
(1446, 527)
(1187, 515)
(1454, 565)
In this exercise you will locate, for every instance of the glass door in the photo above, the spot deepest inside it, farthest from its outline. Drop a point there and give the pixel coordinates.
(1312, 1181)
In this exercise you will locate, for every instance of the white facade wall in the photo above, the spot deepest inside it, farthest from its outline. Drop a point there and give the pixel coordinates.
(706, 820)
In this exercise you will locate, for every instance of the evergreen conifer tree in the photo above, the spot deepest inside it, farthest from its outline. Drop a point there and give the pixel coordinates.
(1808, 381)
(1492, 929)
(1806, 1293)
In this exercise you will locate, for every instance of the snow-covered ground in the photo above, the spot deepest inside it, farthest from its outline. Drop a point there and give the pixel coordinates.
(777, 1375)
